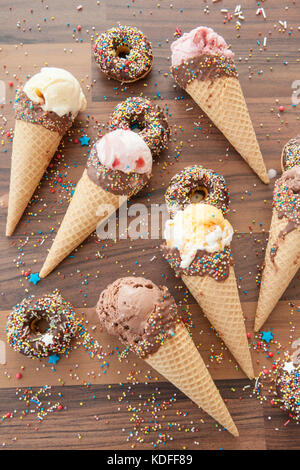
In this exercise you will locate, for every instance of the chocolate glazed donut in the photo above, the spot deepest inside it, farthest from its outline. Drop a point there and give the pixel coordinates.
(146, 118)
(290, 155)
(197, 184)
(42, 327)
(124, 54)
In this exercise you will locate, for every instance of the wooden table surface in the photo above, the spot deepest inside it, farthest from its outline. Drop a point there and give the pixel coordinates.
(140, 413)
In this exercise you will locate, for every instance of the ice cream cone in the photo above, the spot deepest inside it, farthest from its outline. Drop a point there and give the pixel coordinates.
(81, 219)
(33, 148)
(223, 101)
(279, 271)
(179, 361)
(220, 302)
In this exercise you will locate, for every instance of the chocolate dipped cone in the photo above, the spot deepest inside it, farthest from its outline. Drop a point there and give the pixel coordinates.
(33, 149)
(146, 320)
(203, 65)
(220, 303)
(179, 361)
(223, 101)
(83, 215)
(282, 262)
(198, 249)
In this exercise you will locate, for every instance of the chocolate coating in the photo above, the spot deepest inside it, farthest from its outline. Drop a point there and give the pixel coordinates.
(26, 110)
(114, 181)
(203, 67)
(215, 265)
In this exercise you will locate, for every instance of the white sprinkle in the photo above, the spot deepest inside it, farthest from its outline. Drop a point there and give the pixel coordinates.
(272, 173)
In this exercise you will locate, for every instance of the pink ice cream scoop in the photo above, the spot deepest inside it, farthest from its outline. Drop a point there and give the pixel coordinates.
(201, 40)
(126, 151)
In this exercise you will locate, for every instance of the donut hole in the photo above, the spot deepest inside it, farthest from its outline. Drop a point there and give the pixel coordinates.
(137, 126)
(122, 51)
(39, 326)
(198, 195)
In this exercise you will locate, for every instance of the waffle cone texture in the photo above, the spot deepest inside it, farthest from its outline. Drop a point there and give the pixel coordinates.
(224, 103)
(81, 219)
(179, 361)
(32, 151)
(220, 303)
(277, 274)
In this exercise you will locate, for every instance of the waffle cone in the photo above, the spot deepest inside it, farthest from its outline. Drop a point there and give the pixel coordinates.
(33, 148)
(220, 303)
(277, 275)
(179, 361)
(224, 103)
(81, 219)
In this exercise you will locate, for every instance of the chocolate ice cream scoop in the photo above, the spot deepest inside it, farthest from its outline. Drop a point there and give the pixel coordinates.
(140, 313)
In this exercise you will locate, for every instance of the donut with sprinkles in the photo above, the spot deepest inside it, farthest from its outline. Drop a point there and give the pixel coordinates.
(197, 184)
(145, 118)
(123, 53)
(290, 155)
(42, 327)
(288, 389)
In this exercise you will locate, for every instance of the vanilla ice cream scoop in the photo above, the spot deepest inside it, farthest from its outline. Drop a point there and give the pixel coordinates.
(126, 151)
(56, 90)
(197, 227)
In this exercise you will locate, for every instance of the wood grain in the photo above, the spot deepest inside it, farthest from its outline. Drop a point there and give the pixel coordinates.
(28, 40)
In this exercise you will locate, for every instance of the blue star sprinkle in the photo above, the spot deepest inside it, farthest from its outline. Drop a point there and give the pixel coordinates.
(84, 140)
(34, 278)
(266, 336)
(53, 359)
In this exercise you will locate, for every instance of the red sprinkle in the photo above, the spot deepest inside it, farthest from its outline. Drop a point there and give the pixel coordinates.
(116, 163)
(140, 162)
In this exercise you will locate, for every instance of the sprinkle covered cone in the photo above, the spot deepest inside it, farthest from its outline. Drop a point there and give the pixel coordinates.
(80, 220)
(33, 149)
(277, 275)
(220, 303)
(224, 103)
(179, 361)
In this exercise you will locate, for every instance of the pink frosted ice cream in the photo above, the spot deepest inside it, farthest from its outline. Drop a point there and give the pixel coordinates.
(126, 151)
(199, 41)
(120, 162)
